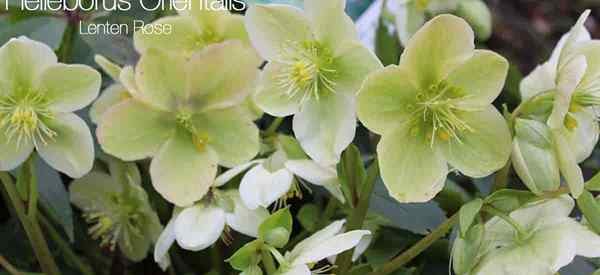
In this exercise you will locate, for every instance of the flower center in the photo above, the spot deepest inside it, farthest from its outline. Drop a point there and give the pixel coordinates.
(199, 139)
(435, 114)
(201, 40)
(22, 118)
(307, 70)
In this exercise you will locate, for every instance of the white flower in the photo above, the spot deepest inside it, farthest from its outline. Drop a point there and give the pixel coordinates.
(324, 243)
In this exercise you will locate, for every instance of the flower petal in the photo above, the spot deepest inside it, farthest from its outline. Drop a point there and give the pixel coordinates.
(326, 126)
(306, 246)
(567, 80)
(318, 175)
(541, 79)
(12, 154)
(583, 139)
(161, 79)
(72, 150)
(412, 170)
(408, 21)
(481, 77)
(163, 244)
(259, 187)
(483, 150)
(131, 130)
(590, 83)
(438, 48)
(567, 162)
(588, 242)
(234, 172)
(113, 70)
(69, 88)
(272, 97)
(244, 220)
(233, 136)
(353, 62)
(198, 227)
(23, 61)
(110, 97)
(93, 191)
(330, 22)
(385, 98)
(297, 270)
(181, 173)
(331, 246)
(212, 80)
(271, 27)
(576, 35)
(184, 36)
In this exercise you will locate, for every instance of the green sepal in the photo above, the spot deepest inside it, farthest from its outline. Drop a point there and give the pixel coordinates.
(466, 249)
(247, 256)
(507, 200)
(291, 147)
(277, 228)
(467, 215)
(590, 209)
(594, 183)
(352, 174)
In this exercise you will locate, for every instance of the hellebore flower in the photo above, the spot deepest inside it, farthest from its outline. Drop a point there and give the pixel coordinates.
(539, 238)
(198, 227)
(571, 78)
(113, 94)
(119, 209)
(316, 66)
(325, 243)
(186, 114)
(38, 96)
(434, 109)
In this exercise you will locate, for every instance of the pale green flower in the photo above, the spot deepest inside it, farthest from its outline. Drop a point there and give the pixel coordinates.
(185, 113)
(434, 110)
(38, 96)
(316, 66)
(118, 208)
(113, 94)
(548, 240)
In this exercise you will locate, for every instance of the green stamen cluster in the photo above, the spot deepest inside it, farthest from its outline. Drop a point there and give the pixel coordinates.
(200, 140)
(22, 118)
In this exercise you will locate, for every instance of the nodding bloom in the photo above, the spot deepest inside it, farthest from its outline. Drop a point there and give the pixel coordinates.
(186, 113)
(38, 96)
(434, 110)
(118, 209)
(316, 66)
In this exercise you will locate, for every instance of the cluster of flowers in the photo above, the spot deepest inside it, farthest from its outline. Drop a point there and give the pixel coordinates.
(190, 102)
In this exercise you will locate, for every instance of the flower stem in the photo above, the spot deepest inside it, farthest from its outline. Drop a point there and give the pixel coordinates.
(268, 262)
(518, 228)
(9, 267)
(32, 228)
(418, 248)
(273, 127)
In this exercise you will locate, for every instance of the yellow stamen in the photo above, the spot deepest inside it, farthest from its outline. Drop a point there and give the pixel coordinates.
(570, 122)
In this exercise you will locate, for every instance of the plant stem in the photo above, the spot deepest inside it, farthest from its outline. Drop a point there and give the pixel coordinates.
(357, 218)
(66, 45)
(520, 230)
(32, 207)
(418, 248)
(65, 247)
(268, 262)
(32, 228)
(273, 127)
(216, 257)
(9, 267)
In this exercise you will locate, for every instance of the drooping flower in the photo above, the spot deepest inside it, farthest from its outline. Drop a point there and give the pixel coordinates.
(325, 243)
(186, 114)
(434, 110)
(547, 240)
(316, 66)
(118, 208)
(200, 226)
(38, 96)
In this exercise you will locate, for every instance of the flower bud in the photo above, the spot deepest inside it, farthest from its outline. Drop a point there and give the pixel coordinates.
(478, 14)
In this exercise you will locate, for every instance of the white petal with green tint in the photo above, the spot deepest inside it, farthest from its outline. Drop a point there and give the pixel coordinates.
(72, 149)
(184, 36)
(331, 24)
(198, 227)
(244, 220)
(69, 88)
(330, 247)
(181, 173)
(221, 75)
(113, 70)
(23, 61)
(590, 83)
(353, 62)
(482, 150)
(233, 136)
(272, 97)
(271, 27)
(312, 172)
(326, 126)
(110, 97)
(261, 187)
(411, 169)
(541, 79)
(163, 244)
(384, 99)
(567, 80)
(11, 153)
(584, 137)
(481, 78)
(438, 48)
(408, 21)
(131, 130)
(233, 28)
(93, 191)
(576, 35)
(567, 162)
(161, 79)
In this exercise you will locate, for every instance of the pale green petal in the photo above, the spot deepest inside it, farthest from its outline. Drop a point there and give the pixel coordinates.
(545, 213)
(481, 78)
(588, 242)
(244, 220)
(69, 88)
(271, 27)
(567, 80)
(408, 21)
(181, 173)
(325, 176)
(385, 99)
(198, 227)
(483, 150)
(411, 169)
(317, 238)
(261, 187)
(94, 191)
(71, 151)
(163, 244)
(233, 27)
(541, 79)
(330, 22)
(184, 36)
(161, 79)
(127, 78)
(590, 83)
(326, 126)
(13, 154)
(437, 49)
(221, 76)
(230, 174)
(207, 14)
(272, 97)
(113, 70)
(576, 35)
(133, 131)
(353, 62)
(583, 139)
(331, 247)
(23, 61)
(567, 162)
(233, 136)
(110, 97)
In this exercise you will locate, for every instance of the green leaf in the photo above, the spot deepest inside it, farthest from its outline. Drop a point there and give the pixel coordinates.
(54, 197)
(308, 216)
(467, 215)
(507, 200)
(118, 48)
(590, 209)
(246, 256)
(352, 174)
(252, 270)
(594, 183)
(361, 269)
(387, 43)
(277, 228)
(466, 249)
(46, 29)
